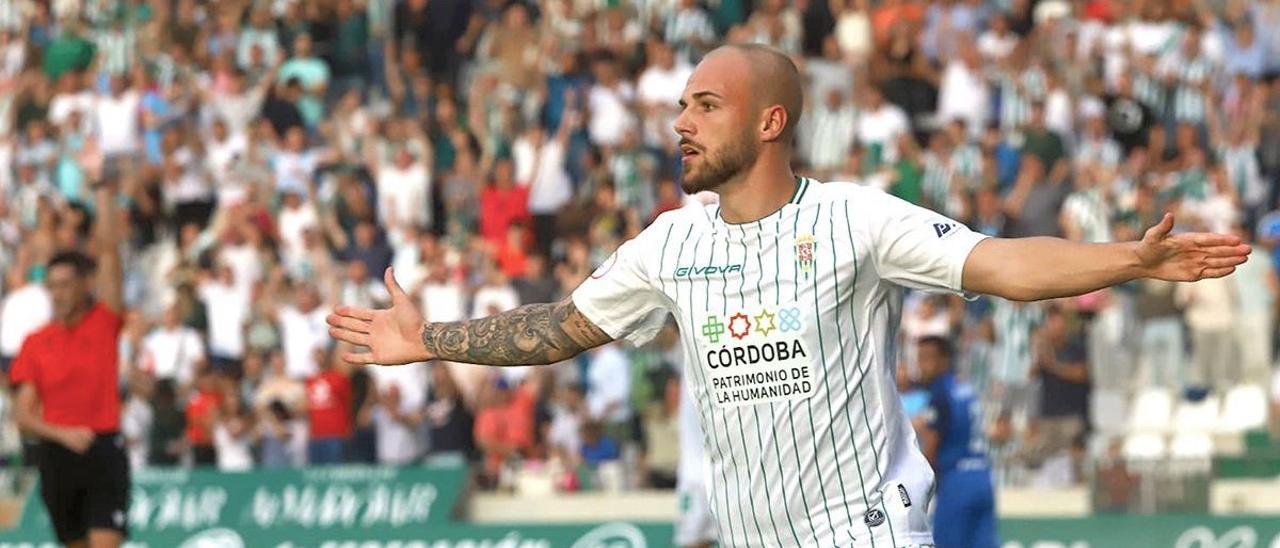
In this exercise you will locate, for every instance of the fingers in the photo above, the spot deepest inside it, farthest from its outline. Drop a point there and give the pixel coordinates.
(357, 358)
(393, 286)
(1217, 272)
(350, 324)
(1161, 229)
(353, 312)
(1241, 250)
(1222, 262)
(1208, 239)
(349, 336)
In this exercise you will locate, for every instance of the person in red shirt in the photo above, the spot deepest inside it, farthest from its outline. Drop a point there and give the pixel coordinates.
(329, 408)
(202, 414)
(67, 376)
(512, 257)
(502, 203)
(504, 427)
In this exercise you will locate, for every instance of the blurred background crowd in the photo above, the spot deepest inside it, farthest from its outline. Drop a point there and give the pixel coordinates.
(275, 157)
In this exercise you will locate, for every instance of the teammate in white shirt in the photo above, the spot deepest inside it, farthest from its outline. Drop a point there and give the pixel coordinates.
(787, 294)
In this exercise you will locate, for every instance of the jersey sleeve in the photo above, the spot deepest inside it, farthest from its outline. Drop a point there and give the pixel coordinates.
(919, 248)
(25, 366)
(620, 296)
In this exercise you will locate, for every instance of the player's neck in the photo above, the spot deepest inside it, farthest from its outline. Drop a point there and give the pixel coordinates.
(76, 314)
(759, 193)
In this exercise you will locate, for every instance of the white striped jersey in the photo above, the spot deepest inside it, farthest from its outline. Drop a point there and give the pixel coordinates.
(788, 325)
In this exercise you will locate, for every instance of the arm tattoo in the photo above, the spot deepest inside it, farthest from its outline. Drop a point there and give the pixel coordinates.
(535, 334)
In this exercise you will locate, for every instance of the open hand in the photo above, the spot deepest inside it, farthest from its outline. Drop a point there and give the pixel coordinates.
(1188, 257)
(391, 335)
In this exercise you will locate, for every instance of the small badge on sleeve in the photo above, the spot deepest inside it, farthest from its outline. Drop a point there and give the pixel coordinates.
(873, 517)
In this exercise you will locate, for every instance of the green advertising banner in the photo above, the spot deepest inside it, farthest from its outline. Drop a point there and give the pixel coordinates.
(332, 507)
(373, 507)
(1162, 531)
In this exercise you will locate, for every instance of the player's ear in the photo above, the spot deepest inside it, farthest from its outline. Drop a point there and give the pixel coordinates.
(773, 123)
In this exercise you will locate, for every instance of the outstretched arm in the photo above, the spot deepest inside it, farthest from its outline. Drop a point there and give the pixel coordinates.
(1031, 269)
(535, 334)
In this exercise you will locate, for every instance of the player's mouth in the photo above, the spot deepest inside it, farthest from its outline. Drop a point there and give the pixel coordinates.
(688, 152)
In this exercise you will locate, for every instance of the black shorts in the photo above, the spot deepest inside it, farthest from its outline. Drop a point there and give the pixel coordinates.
(89, 491)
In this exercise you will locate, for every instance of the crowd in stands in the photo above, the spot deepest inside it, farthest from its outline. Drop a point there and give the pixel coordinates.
(275, 157)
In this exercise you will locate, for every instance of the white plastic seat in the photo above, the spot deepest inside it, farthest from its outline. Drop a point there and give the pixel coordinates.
(1144, 447)
(1244, 408)
(1197, 417)
(1152, 411)
(1191, 446)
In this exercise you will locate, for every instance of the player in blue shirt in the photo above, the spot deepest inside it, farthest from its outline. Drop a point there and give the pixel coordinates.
(952, 437)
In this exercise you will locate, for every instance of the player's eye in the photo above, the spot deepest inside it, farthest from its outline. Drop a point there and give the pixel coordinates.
(708, 107)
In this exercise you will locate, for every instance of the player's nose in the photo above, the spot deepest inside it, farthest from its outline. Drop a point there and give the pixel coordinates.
(682, 125)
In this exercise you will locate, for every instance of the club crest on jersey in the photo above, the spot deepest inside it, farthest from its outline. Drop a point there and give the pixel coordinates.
(805, 246)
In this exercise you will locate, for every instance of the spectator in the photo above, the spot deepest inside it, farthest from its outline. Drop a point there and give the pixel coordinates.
(657, 93)
(136, 421)
(502, 203)
(597, 447)
(540, 165)
(1211, 316)
(443, 298)
(167, 441)
(1257, 287)
(312, 74)
(879, 125)
(450, 423)
(610, 117)
(303, 332)
(283, 435)
(1060, 363)
(689, 29)
(173, 351)
(233, 433)
(494, 295)
(503, 427)
(329, 397)
(397, 425)
(564, 432)
(369, 248)
(609, 391)
(534, 284)
(963, 93)
(404, 190)
(662, 438)
(227, 308)
(1161, 346)
(1031, 209)
(203, 412)
(23, 309)
(827, 139)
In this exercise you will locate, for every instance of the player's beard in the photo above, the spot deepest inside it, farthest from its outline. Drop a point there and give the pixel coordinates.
(715, 168)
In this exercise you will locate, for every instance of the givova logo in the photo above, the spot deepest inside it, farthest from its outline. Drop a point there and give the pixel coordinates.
(687, 271)
(613, 535)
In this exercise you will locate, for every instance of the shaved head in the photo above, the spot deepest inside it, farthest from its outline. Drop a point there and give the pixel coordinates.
(741, 102)
(774, 80)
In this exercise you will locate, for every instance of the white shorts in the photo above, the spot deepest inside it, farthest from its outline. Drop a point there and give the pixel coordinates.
(695, 524)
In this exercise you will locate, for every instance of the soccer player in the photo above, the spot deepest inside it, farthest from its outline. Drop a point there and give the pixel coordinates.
(952, 438)
(787, 294)
(66, 376)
